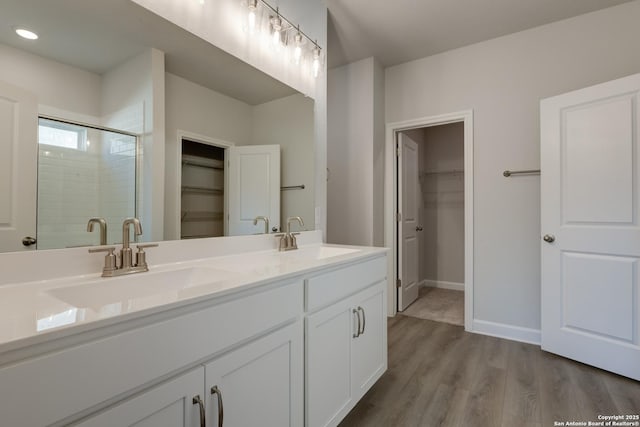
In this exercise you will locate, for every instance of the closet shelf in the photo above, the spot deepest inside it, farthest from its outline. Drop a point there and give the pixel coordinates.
(193, 189)
(200, 164)
(443, 172)
(200, 216)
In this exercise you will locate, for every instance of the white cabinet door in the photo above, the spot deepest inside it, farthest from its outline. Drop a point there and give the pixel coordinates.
(18, 167)
(259, 384)
(328, 364)
(170, 404)
(252, 185)
(590, 214)
(369, 358)
(346, 354)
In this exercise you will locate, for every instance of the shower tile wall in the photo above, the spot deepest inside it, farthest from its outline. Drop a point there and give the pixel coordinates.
(75, 185)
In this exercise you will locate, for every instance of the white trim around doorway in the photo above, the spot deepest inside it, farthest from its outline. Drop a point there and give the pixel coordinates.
(391, 197)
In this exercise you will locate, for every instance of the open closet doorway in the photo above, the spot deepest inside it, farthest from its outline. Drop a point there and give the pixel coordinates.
(431, 218)
(202, 186)
(431, 225)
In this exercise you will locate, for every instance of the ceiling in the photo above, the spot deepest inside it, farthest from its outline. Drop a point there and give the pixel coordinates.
(97, 35)
(403, 30)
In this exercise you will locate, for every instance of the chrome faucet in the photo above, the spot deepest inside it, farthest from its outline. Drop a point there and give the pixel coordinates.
(126, 266)
(288, 240)
(290, 219)
(266, 223)
(103, 229)
(126, 254)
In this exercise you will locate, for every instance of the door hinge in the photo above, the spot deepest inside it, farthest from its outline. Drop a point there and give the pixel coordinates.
(398, 283)
(397, 151)
(398, 217)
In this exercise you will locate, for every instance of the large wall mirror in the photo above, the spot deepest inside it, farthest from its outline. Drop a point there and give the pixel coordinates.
(85, 108)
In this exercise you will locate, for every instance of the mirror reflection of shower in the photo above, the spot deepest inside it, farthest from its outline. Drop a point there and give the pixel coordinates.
(83, 172)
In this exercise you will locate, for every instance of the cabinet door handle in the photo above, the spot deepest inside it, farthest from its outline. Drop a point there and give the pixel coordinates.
(215, 390)
(364, 320)
(198, 401)
(357, 334)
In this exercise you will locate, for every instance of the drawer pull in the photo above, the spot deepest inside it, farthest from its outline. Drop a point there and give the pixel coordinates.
(215, 390)
(357, 334)
(364, 320)
(198, 401)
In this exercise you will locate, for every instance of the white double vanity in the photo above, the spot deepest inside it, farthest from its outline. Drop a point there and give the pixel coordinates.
(220, 332)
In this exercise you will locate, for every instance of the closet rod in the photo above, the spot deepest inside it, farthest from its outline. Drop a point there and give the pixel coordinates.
(293, 187)
(508, 173)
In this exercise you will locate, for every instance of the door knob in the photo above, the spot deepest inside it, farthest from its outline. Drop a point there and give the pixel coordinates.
(549, 238)
(419, 228)
(28, 241)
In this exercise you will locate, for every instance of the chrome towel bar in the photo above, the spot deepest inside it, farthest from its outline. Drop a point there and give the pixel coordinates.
(508, 173)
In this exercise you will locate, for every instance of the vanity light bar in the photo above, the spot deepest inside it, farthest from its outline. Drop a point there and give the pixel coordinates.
(281, 25)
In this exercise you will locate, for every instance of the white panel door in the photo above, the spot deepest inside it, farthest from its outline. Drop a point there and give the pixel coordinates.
(171, 404)
(18, 167)
(591, 225)
(253, 188)
(260, 384)
(408, 199)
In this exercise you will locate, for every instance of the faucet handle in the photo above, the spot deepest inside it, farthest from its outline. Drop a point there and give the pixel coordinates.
(141, 255)
(110, 264)
(294, 242)
(147, 245)
(109, 249)
(282, 242)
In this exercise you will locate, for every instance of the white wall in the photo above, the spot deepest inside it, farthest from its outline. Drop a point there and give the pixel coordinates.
(442, 203)
(378, 154)
(55, 84)
(503, 80)
(288, 122)
(133, 100)
(355, 144)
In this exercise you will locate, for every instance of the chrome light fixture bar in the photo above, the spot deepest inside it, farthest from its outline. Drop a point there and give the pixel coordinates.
(284, 32)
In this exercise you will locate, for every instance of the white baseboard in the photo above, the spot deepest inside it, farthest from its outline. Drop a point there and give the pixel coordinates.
(455, 286)
(501, 330)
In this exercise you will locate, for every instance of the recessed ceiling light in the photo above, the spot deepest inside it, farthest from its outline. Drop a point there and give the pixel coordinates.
(30, 35)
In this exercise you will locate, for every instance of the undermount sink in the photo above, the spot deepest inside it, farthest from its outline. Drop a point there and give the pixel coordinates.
(103, 291)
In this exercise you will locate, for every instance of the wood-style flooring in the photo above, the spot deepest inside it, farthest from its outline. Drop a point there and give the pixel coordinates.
(440, 375)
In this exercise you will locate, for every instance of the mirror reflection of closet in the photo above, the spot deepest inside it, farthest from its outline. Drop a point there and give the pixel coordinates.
(202, 197)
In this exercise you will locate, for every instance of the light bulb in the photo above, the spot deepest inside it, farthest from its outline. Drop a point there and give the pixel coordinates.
(276, 25)
(316, 62)
(251, 15)
(297, 51)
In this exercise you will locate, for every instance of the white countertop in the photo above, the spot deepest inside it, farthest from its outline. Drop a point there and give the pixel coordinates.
(38, 311)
